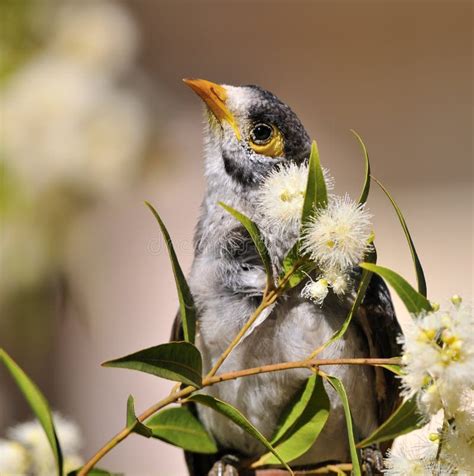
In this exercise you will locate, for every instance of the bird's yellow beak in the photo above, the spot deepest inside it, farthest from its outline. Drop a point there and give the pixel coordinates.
(214, 95)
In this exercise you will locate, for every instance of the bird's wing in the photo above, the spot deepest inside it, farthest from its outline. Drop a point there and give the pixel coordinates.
(379, 323)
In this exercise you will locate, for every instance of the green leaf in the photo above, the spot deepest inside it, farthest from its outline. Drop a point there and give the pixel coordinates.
(95, 472)
(301, 423)
(366, 188)
(133, 422)
(236, 416)
(420, 275)
(303, 268)
(38, 404)
(316, 191)
(413, 300)
(254, 233)
(364, 283)
(339, 387)
(394, 368)
(178, 361)
(180, 427)
(404, 419)
(186, 302)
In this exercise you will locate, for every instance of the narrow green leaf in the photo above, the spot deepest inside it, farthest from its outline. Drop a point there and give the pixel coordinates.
(133, 422)
(254, 233)
(404, 419)
(95, 472)
(413, 300)
(186, 302)
(396, 369)
(316, 191)
(420, 275)
(366, 188)
(238, 418)
(38, 404)
(302, 423)
(363, 285)
(339, 387)
(178, 361)
(178, 426)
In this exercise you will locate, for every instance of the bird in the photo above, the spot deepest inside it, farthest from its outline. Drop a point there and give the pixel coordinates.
(249, 133)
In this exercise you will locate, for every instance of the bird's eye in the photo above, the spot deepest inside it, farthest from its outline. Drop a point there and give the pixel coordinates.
(261, 134)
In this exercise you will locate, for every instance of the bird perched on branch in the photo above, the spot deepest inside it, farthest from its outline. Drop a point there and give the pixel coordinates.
(249, 133)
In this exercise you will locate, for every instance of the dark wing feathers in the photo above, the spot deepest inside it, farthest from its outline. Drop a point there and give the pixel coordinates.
(378, 321)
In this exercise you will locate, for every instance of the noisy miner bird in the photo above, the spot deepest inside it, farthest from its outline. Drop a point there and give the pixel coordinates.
(250, 132)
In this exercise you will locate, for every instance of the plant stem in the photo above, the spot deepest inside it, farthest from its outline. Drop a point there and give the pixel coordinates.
(308, 363)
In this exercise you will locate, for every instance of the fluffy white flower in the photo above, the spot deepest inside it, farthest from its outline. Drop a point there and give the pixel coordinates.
(439, 357)
(13, 458)
(281, 198)
(99, 35)
(316, 290)
(63, 124)
(32, 437)
(458, 448)
(411, 460)
(338, 237)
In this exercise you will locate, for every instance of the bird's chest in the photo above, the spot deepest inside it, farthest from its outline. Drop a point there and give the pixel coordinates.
(289, 334)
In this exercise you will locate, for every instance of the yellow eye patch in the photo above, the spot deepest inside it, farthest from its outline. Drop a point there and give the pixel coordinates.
(274, 146)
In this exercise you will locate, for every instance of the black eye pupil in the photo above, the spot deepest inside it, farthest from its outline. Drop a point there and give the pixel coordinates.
(261, 133)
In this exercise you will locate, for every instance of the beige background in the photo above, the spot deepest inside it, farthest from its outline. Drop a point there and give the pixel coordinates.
(398, 72)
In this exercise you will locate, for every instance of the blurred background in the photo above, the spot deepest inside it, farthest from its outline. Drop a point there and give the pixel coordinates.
(95, 120)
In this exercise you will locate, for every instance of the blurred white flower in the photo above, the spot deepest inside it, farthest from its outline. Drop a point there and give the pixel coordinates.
(32, 437)
(281, 198)
(99, 35)
(438, 354)
(316, 290)
(337, 237)
(62, 124)
(13, 458)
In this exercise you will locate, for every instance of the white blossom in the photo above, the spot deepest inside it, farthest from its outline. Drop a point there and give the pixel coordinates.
(13, 458)
(338, 236)
(99, 35)
(281, 197)
(410, 459)
(33, 438)
(439, 357)
(316, 290)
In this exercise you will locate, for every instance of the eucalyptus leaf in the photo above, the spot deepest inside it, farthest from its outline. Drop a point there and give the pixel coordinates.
(316, 191)
(178, 361)
(420, 275)
(178, 426)
(404, 419)
(366, 188)
(95, 472)
(413, 300)
(186, 302)
(238, 418)
(339, 387)
(301, 423)
(38, 404)
(254, 233)
(133, 422)
(394, 368)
